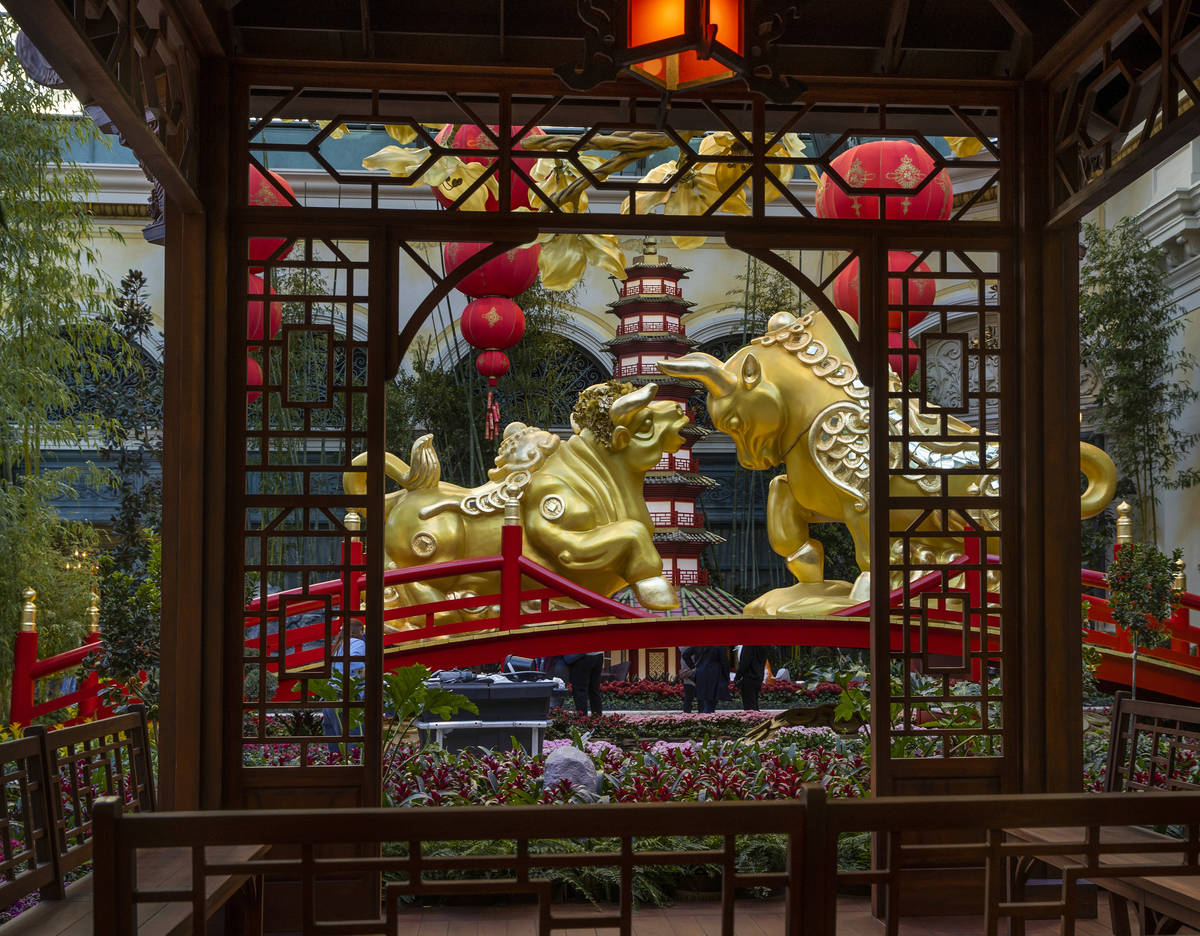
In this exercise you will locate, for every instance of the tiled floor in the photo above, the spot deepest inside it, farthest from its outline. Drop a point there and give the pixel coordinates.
(753, 918)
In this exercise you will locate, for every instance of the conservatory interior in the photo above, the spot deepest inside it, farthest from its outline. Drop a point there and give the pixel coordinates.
(932, 159)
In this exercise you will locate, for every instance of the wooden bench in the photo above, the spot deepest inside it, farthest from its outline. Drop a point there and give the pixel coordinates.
(1153, 746)
(50, 782)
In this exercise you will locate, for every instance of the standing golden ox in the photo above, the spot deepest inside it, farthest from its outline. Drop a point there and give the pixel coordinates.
(580, 500)
(793, 397)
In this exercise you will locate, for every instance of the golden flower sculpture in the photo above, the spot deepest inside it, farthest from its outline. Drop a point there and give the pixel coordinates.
(695, 190)
(564, 258)
(556, 175)
(449, 174)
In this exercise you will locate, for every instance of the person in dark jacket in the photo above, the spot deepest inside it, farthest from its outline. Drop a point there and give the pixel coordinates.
(687, 676)
(712, 675)
(585, 681)
(752, 664)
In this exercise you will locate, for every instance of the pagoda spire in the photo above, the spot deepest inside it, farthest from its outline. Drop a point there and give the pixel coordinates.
(651, 308)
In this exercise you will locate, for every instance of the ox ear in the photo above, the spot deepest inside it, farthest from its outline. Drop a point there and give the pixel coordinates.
(621, 437)
(704, 368)
(751, 372)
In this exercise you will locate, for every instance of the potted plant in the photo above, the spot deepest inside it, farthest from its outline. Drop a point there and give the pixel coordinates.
(1143, 595)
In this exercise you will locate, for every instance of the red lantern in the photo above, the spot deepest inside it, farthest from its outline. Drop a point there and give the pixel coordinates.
(885, 164)
(492, 364)
(469, 136)
(254, 378)
(509, 274)
(903, 364)
(267, 192)
(654, 22)
(920, 291)
(493, 322)
(254, 310)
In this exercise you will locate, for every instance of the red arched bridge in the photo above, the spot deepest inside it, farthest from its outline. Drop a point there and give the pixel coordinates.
(526, 617)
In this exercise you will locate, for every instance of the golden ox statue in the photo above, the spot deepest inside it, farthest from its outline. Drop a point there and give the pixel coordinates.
(581, 502)
(794, 397)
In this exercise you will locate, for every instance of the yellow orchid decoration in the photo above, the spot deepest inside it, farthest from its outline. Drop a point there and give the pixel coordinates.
(564, 258)
(407, 133)
(449, 174)
(964, 146)
(338, 132)
(694, 191)
(557, 174)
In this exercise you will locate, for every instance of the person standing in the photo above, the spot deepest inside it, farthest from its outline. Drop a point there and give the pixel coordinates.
(348, 643)
(585, 681)
(687, 676)
(752, 665)
(712, 675)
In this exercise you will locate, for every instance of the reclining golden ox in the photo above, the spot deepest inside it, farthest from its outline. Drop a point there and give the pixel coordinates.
(793, 397)
(581, 502)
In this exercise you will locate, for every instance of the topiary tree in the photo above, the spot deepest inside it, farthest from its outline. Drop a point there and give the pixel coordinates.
(1128, 323)
(1142, 593)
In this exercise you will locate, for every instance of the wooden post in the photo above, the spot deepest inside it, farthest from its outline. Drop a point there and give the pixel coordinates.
(88, 707)
(25, 652)
(511, 544)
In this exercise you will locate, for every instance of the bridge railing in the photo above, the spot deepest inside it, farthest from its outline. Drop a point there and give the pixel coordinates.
(512, 607)
(28, 670)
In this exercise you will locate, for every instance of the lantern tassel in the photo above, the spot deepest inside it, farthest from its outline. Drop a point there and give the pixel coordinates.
(491, 418)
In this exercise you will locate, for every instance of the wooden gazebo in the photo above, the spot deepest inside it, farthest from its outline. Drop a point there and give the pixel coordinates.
(1070, 102)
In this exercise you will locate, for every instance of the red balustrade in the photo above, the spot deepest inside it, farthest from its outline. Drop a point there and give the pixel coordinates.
(636, 326)
(681, 462)
(675, 518)
(636, 288)
(689, 576)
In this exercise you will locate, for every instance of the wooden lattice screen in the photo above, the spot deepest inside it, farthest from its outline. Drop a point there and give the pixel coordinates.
(939, 515)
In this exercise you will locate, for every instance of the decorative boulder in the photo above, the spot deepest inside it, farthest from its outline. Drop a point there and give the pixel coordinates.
(570, 763)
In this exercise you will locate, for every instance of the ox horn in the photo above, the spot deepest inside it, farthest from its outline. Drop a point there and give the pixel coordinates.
(704, 368)
(623, 407)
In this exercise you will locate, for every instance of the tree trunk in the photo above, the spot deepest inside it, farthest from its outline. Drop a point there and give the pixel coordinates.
(1133, 673)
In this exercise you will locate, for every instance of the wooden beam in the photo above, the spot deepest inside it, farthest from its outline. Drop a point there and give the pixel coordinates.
(1103, 21)
(62, 41)
(889, 57)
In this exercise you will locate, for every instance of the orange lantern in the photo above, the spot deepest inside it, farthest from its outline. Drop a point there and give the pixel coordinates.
(678, 44)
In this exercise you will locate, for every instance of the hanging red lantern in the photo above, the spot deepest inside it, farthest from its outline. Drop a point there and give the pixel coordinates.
(492, 364)
(885, 164)
(903, 364)
(267, 192)
(920, 290)
(509, 274)
(254, 378)
(492, 322)
(254, 310)
(469, 136)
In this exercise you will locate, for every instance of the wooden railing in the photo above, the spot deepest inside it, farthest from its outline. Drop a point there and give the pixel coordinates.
(917, 837)
(680, 461)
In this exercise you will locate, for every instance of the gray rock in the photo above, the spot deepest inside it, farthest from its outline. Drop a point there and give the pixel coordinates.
(570, 763)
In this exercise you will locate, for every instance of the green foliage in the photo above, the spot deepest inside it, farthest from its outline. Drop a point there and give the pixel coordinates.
(130, 622)
(1142, 594)
(130, 397)
(405, 698)
(1127, 327)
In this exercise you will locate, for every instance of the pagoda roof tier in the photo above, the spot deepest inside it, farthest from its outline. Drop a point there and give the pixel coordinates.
(649, 299)
(651, 338)
(693, 600)
(686, 478)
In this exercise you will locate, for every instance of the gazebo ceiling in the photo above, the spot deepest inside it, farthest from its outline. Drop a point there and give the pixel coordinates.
(918, 38)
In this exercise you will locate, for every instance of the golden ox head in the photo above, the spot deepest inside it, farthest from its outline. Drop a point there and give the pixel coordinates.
(741, 401)
(630, 423)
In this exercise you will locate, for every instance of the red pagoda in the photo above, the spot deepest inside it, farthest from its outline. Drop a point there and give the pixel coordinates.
(651, 309)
